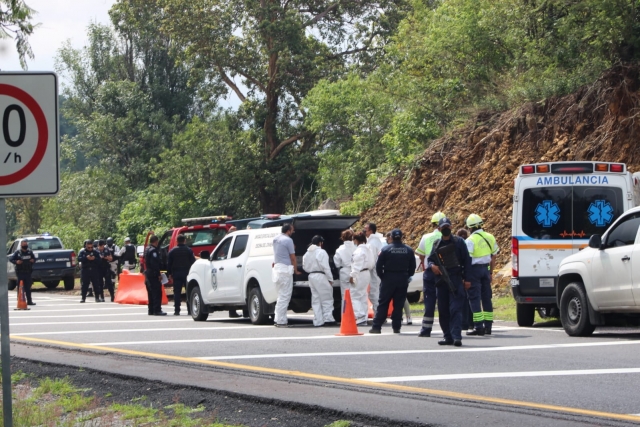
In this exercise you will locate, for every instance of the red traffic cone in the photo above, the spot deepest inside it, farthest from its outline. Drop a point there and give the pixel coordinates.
(22, 298)
(348, 324)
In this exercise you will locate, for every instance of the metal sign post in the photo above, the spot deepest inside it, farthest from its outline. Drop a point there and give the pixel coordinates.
(5, 354)
(29, 167)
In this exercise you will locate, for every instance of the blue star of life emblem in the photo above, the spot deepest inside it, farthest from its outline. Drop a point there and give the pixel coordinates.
(547, 213)
(600, 213)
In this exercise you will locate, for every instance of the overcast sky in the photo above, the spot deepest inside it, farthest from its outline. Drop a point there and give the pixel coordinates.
(60, 20)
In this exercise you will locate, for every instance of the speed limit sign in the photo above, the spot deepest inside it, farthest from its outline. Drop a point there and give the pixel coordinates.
(29, 140)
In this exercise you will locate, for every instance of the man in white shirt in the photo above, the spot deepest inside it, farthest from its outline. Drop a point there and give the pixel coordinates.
(284, 266)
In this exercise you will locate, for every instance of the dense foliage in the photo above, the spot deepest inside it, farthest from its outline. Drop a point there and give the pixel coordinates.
(329, 97)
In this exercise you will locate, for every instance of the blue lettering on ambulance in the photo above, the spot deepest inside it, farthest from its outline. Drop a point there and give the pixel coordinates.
(570, 180)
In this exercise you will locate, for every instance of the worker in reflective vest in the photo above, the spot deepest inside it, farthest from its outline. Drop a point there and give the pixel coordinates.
(483, 248)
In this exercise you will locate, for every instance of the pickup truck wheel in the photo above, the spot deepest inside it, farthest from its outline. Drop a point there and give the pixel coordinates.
(255, 304)
(413, 297)
(69, 283)
(525, 313)
(574, 311)
(198, 312)
(51, 284)
(13, 284)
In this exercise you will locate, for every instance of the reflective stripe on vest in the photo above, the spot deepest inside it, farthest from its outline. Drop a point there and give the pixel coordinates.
(480, 247)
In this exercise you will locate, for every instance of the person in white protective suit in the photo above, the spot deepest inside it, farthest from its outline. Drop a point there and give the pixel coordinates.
(375, 246)
(361, 262)
(316, 263)
(342, 259)
(284, 266)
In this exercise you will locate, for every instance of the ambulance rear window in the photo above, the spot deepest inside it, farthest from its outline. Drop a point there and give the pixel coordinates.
(569, 212)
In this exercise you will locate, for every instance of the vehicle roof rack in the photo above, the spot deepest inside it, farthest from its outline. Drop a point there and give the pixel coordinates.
(26, 236)
(206, 220)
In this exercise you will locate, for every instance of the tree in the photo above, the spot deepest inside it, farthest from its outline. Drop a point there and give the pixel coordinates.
(15, 23)
(278, 50)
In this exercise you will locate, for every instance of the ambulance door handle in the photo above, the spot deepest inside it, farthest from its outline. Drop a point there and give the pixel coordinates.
(221, 268)
(626, 258)
(239, 266)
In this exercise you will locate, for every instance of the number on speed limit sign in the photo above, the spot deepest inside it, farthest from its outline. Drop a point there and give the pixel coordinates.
(29, 141)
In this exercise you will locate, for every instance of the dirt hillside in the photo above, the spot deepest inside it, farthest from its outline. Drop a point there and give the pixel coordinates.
(472, 170)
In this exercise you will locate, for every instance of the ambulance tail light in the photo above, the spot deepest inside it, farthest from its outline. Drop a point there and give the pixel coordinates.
(617, 167)
(602, 167)
(514, 257)
(528, 169)
(74, 259)
(542, 168)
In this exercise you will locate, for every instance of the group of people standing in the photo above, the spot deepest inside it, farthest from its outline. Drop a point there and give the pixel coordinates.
(457, 277)
(100, 262)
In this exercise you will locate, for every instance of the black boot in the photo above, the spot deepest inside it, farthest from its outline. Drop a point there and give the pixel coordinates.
(425, 333)
(487, 329)
(476, 332)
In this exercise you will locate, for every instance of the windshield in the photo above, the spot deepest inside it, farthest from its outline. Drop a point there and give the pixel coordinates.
(569, 212)
(44, 244)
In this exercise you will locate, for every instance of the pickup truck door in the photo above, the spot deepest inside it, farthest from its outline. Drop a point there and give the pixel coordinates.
(612, 267)
(221, 273)
(234, 277)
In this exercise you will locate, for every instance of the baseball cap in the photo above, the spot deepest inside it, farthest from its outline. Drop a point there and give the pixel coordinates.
(443, 222)
(126, 239)
(396, 233)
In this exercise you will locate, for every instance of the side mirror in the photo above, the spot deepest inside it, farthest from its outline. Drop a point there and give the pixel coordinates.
(595, 241)
(204, 254)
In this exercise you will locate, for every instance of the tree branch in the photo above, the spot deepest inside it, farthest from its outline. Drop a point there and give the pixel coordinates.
(231, 84)
(251, 79)
(322, 14)
(366, 46)
(285, 143)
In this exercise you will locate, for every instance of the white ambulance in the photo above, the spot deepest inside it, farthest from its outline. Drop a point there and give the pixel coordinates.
(557, 206)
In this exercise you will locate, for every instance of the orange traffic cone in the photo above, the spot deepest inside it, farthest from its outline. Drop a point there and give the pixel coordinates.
(348, 324)
(22, 298)
(370, 313)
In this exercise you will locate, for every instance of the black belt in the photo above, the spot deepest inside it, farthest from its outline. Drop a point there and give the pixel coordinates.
(320, 272)
(481, 265)
(366, 269)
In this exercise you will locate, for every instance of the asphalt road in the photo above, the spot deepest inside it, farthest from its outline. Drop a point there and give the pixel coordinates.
(518, 376)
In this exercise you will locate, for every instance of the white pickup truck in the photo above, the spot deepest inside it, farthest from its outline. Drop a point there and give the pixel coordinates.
(237, 275)
(601, 284)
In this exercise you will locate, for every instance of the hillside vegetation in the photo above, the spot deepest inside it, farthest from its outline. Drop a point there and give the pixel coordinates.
(187, 108)
(472, 170)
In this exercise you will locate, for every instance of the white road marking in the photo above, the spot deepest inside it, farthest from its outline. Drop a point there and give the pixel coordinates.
(102, 322)
(289, 338)
(448, 350)
(110, 331)
(503, 375)
(67, 316)
(73, 310)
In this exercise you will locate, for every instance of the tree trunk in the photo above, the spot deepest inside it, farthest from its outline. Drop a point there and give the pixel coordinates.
(272, 202)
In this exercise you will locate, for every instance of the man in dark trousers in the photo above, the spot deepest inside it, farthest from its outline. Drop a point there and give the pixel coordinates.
(396, 264)
(106, 257)
(23, 259)
(457, 262)
(179, 262)
(90, 260)
(153, 278)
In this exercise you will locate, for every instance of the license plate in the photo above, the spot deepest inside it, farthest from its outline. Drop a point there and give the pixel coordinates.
(546, 283)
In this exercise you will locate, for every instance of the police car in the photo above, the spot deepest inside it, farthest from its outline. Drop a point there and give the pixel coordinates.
(557, 207)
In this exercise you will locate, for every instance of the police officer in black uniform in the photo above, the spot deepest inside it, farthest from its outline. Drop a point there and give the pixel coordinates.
(396, 264)
(179, 262)
(23, 259)
(458, 265)
(153, 278)
(105, 270)
(89, 257)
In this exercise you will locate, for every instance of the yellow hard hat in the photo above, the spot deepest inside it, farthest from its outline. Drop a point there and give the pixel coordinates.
(474, 221)
(437, 217)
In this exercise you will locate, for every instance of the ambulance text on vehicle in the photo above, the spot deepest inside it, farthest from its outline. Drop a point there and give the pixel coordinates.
(557, 206)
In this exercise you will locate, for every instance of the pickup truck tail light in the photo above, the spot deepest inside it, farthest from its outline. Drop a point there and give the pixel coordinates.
(514, 257)
(74, 259)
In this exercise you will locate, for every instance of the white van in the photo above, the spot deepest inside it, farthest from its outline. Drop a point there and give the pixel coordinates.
(237, 275)
(556, 208)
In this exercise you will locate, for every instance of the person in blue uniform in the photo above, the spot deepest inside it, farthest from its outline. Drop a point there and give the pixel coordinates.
(24, 259)
(179, 262)
(106, 256)
(458, 266)
(89, 258)
(153, 278)
(396, 264)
